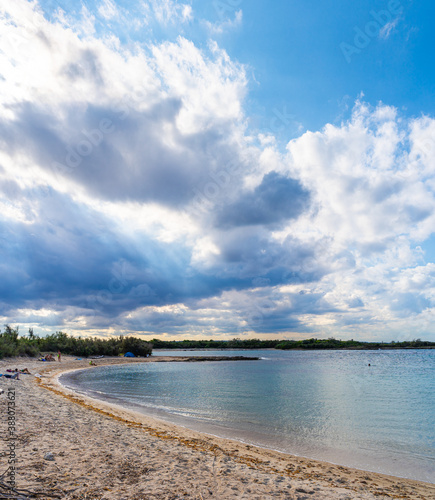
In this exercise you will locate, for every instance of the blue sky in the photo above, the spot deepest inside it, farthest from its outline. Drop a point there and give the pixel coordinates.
(218, 169)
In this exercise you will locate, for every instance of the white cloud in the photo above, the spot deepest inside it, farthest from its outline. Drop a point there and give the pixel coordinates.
(87, 25)
(356, 173)
(171, 12)
(388, 28)
(374, 196)
(108, 9)
(229, 24)
(211, 90)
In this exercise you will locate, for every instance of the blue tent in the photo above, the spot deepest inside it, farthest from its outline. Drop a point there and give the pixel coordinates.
(129, 355)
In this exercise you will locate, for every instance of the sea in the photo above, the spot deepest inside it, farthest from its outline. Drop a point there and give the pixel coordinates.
(372, 410)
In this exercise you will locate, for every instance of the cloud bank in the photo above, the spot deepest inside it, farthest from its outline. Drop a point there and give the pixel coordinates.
(135, 197)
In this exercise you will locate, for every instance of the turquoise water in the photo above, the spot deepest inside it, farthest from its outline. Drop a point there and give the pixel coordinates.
(326, 405)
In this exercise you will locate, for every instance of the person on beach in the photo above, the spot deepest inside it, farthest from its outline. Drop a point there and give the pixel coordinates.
(58, 356)
(7, 375)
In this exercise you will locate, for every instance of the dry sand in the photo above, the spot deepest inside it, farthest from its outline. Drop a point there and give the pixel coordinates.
(106, 452)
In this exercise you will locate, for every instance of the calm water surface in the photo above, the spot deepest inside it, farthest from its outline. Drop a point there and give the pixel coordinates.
(327, 405)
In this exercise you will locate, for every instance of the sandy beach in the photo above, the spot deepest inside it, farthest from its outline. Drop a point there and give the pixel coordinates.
(71, 447)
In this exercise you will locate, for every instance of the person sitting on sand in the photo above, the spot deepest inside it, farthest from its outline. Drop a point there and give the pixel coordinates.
(49, 357)
(92, 363)
(26, 371)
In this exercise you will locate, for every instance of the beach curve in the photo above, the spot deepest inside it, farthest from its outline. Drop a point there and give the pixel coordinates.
(105, 451)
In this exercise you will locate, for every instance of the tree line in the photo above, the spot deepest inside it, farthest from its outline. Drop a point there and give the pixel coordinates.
(330, 343)
(215, 344)
(14, 344)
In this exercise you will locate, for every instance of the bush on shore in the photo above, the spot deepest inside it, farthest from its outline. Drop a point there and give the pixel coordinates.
(13, 344)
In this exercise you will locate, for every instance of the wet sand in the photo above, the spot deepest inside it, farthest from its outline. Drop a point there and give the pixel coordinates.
(102, 451)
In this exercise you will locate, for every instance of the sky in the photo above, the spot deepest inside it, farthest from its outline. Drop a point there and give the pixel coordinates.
(185, 169)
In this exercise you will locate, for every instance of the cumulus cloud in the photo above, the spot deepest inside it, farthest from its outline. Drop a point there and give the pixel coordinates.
(364, 180)
(369, 192)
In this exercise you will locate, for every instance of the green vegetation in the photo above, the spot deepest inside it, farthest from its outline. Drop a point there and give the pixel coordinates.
(330, 343)
(215, 344)
(12, 344)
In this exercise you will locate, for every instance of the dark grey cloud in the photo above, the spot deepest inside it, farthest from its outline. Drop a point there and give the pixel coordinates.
(86, 67)
(278, 198)
(355, 302)
(56, 257)
(251, 253)
(67, 255)
(270, 311)
(71, 256)
(118, 153)
(405, 303)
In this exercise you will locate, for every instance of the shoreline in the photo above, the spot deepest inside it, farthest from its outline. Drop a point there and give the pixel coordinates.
(216, 467)
(211, 430)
